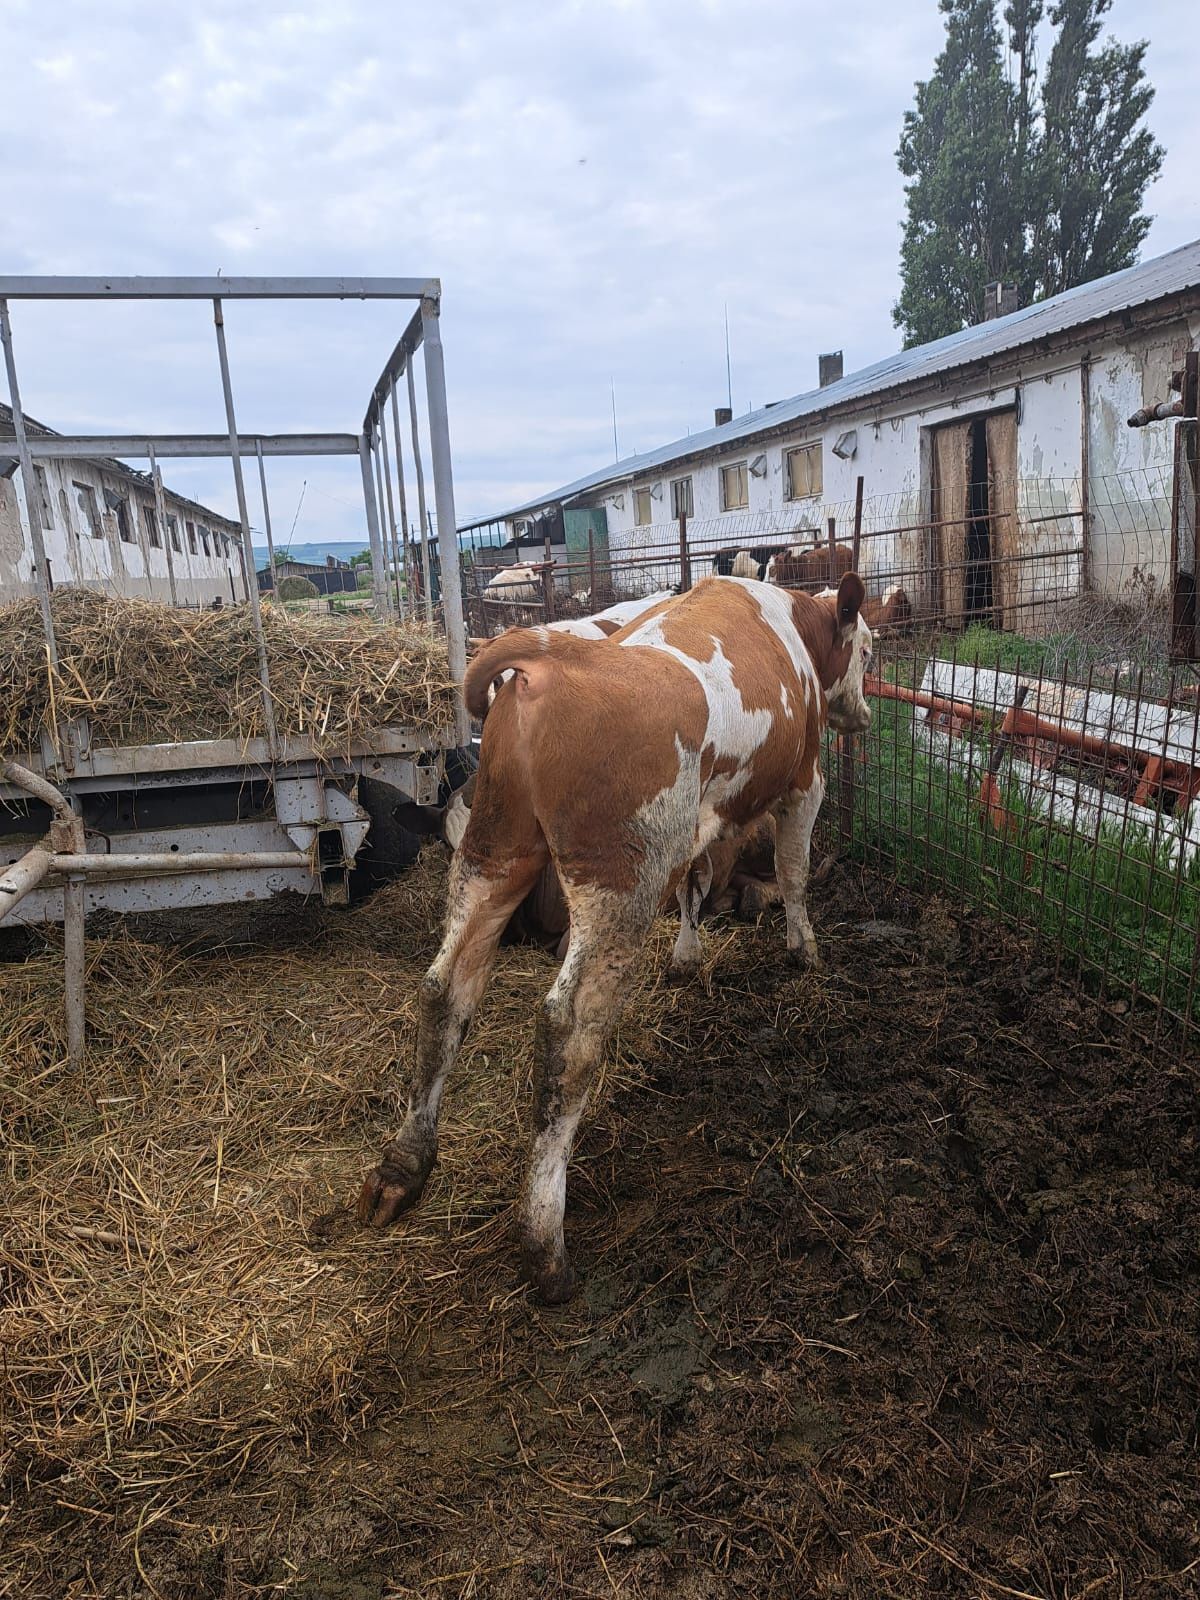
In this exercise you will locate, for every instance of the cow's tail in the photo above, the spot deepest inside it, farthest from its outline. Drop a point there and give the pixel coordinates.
(529, 653)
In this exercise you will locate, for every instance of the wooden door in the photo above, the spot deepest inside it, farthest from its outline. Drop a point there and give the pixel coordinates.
(951, 502)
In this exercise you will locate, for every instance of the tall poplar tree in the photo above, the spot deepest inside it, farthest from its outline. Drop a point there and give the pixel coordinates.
(1034, 179)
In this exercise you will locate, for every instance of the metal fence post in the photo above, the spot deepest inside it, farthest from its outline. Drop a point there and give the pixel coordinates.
(160, 511)
(685, 565)
(377, 463)
(833, 572)
(422, 521)
(391, 505)
(264, 668)
(846, 781)
(406, 603)
(266, 505)
(443, 490)
(856, 544)
(32, 500)
(591, 565)
(378, 583)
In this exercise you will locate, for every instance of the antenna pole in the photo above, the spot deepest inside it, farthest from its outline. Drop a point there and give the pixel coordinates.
(728, 367)
(616, 447)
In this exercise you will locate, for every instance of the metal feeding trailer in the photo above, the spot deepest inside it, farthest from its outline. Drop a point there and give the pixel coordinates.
(199, 822)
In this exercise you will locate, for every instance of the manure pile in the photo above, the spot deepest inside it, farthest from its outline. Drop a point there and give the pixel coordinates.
(145, 673)
(889, 1277)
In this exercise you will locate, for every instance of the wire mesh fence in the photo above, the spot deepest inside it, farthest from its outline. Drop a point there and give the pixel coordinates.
(1013, 554)
(1034, 750)
(1056, 791)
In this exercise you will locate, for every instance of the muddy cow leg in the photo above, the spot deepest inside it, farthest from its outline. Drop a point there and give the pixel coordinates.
(578, 1015)
(687, 954)
(479, 907)
(794, 820)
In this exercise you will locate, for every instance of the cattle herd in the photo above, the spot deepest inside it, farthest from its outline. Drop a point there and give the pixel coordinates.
(664, 751)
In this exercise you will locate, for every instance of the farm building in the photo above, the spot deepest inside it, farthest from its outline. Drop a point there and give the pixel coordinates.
(1004, 446)
(101, 529)
(332, 576)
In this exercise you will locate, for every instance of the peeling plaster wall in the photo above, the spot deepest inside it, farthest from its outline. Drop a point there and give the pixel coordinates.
(1131, 468)
(134, 569)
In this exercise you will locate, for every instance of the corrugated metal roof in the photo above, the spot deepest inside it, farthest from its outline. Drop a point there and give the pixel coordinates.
(1135, 286)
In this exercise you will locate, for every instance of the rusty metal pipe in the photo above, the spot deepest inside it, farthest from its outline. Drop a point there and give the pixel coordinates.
(109, 866)
(40, 788)
(23, 876)
(1021, 723)
(1158, 413)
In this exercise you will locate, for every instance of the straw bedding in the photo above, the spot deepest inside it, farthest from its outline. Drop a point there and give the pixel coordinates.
(147, 673)
(857, 1319)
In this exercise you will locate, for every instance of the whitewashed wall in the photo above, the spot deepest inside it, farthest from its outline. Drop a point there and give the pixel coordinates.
(137, 569)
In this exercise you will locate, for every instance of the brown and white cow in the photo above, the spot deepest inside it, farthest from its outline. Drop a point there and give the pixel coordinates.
(621, 760)
(808, 567)
(891, 613)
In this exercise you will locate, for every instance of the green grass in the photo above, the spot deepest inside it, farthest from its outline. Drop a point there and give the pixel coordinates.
(1117, 909)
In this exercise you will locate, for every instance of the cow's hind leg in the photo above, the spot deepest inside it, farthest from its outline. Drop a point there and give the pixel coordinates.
(795, 817)
(478, 910)
(688, 954)
(576, 1020)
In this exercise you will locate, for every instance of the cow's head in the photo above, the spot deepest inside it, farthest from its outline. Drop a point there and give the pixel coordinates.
(848, 708)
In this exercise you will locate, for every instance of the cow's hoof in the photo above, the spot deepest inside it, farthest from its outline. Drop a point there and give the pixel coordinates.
(806, 958)
(685, 973)
(556, 1286)
(393, 1187)
(552, 1278)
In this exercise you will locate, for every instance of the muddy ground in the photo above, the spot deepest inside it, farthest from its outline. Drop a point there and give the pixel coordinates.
(890, 1288)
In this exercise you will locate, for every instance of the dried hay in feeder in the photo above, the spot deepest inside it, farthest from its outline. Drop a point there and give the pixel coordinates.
(147, 673)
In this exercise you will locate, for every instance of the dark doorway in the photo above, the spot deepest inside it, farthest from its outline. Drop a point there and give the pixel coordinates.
(977, 595)
(974, 502)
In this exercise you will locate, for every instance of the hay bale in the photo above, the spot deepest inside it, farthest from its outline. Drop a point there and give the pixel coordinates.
(147, 673)
(297, 588)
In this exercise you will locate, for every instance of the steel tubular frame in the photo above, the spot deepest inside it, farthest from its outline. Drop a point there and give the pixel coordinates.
(63, 853)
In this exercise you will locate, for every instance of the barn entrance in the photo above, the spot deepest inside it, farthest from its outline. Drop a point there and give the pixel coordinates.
(974, 471)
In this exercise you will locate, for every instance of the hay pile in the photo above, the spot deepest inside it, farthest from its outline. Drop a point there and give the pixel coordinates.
(170, 1317)
(146, 673)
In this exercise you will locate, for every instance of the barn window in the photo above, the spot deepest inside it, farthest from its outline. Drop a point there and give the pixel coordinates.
(804, 472)
(643, 508)
(735, 489)
(150, 523)
(191, 537)
(681, 497)
(173, 530)
(124, 521)
(86, 496)
(204, 541)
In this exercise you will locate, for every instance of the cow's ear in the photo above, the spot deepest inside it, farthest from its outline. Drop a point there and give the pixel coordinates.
(850, 596)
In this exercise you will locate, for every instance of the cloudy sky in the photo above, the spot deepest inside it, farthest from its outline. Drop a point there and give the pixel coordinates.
(593, 182)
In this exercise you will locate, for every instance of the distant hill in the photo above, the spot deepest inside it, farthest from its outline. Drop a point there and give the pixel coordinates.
(342, 550)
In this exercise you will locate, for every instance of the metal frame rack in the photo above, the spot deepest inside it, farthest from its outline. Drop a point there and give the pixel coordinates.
(199, 822)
